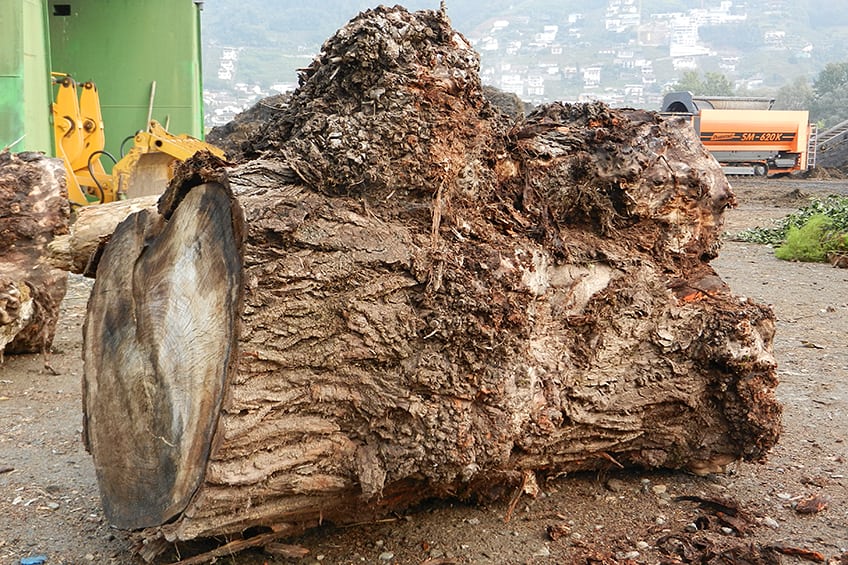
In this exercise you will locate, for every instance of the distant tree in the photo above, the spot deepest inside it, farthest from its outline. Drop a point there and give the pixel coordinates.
(832, 78)
(716, 84)
(691, 81)
(830, 109)
(713, 84)
(797, 95)
(829, 104)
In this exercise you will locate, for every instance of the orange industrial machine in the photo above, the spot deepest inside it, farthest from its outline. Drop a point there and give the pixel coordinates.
(745, 135)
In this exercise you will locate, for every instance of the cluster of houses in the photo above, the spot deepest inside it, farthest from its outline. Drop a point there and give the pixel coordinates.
(556, 61)
(642, 55)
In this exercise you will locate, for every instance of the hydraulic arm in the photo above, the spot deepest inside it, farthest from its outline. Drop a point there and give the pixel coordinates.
(80, 141)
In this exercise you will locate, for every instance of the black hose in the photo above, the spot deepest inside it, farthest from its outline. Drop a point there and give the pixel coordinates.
(127, 138)
(94, 178)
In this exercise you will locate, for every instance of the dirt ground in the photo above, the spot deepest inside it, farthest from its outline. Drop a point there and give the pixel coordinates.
(50, 507)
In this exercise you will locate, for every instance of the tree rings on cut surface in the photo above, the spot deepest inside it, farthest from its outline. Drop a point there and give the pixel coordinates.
(154, 386)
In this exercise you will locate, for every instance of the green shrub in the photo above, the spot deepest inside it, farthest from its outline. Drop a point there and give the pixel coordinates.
(806, 243)
(810, 234)
(834, 207)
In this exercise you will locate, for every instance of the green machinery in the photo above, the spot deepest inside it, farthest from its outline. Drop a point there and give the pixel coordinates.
(24, 76)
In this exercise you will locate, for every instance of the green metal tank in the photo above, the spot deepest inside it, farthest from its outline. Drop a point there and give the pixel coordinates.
(24, 76)
(144, 57)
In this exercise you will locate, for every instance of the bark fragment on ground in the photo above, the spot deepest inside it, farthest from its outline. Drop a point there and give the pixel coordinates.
(420, 298)
(34, 209)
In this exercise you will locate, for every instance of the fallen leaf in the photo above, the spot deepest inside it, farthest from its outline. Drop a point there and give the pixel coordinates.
(557, 531)
(724, 505)
(737, 523)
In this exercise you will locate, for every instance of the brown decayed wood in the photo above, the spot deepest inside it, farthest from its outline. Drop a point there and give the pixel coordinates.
(33, 210)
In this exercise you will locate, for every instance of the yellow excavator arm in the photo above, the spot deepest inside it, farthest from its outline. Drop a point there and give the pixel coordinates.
(149, 164)
(80, 141)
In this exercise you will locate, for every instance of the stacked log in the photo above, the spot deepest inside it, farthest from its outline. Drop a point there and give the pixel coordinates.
(408, 295)
(79, 250)
(34, 210)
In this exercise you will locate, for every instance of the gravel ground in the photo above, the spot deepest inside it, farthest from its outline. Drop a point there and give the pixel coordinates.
(50, 506)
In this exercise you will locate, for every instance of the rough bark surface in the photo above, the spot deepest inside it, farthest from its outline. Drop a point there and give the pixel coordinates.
(33, 210)
(234, 137)
(434, 300)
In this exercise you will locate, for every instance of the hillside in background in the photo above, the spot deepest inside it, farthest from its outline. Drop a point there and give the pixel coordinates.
(625, 52)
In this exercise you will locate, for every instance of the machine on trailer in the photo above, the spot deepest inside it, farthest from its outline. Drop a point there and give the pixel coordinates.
(745, 135)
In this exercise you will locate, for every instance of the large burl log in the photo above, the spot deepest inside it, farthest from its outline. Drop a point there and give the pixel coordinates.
(33, 210)
(406, 297)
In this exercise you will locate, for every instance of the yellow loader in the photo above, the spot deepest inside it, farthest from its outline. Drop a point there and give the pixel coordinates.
(80, 140)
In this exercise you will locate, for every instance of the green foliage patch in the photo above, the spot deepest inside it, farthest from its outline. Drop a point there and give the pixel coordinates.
(810, 234)
(812, 242)
(834, 207)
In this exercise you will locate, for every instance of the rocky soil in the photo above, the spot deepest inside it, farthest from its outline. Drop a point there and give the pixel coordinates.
(792, 509)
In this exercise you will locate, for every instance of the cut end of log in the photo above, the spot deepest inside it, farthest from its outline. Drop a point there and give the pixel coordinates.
(78, 251)
(159, 344)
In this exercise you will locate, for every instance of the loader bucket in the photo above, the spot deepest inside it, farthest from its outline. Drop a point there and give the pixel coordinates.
(148, 175)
